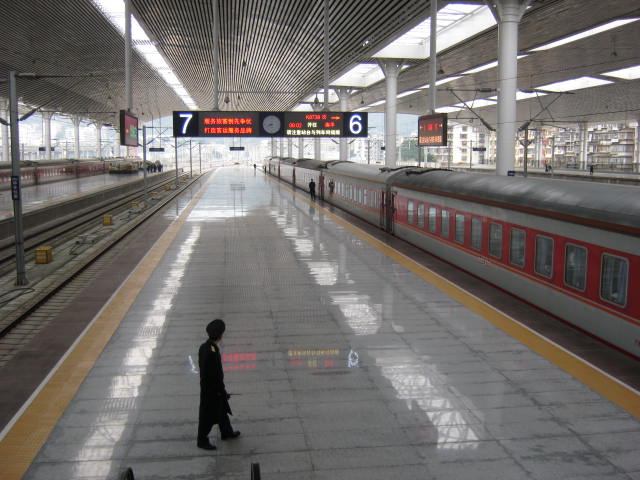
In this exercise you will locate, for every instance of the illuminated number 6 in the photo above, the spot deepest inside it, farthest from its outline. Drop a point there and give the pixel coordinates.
(355, 124)
(187, 117)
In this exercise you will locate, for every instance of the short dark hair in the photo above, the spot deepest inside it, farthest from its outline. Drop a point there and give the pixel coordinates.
(215, 329)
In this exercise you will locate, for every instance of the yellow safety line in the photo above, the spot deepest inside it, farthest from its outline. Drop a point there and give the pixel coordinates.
(607, 386)
(29, 432)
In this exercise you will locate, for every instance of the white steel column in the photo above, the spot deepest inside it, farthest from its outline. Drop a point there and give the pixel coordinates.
(584, 142)
(290, 147)
(391, 69)
(76, 135)
(317, 107)
(433, 57)
(508, 14)
(301, 147)
(343, 96)
(127, 54)
(99, 140)
(46, 118)
(5, 132)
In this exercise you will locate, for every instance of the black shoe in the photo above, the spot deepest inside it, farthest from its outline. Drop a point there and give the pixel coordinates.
(207, 446)
(233, 434)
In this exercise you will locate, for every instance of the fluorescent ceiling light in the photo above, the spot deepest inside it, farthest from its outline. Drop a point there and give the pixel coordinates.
(477, 103)
(360, 109)
(447, 109)
(362, 75)
(486, 66)
(456, 23)
(375, 104)
(629, 73)
(574, 84)
(442, 81)
(587, 33)
(408, 92)
(113, 10)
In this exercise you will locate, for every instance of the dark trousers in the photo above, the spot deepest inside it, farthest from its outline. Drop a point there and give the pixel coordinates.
(207, 421)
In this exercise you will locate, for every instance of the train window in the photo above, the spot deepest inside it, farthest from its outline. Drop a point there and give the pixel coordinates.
(444, 223)
(476, 233)
(575, 266)
(432, 219)
(543, 263)
(613, 280)
(495, 240)
(410, 212)
(516, 250)
(421, 215)
(459, 228)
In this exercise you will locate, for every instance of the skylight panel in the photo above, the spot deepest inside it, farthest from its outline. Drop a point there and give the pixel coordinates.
(448, 109)
(477, 103)
(113, 10)
(362, 75)
(456, 23)
(442, 81)
(629, 73)
(587, 33)
(574, 84)
(486, 66)
(408, 92)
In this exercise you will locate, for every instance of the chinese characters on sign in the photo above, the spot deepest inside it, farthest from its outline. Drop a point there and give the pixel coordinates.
(432, 130)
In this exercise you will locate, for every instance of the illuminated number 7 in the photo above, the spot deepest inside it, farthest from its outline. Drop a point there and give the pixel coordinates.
(187, 117)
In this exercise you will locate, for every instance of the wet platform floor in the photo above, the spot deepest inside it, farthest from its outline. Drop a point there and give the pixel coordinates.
(343, 364)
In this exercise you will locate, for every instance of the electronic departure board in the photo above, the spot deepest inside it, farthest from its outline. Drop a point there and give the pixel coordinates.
(269, 124)
(432, 130)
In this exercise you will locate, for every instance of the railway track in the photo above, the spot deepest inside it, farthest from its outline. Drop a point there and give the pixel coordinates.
(67, 236)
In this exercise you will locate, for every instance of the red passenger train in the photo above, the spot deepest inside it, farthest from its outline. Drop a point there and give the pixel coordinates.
(572, 248)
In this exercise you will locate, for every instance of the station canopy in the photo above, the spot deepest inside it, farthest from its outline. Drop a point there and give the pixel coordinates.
(578, 58)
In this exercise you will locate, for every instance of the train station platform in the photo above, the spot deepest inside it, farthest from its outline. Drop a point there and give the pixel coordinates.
(346, 358)
(35, 196)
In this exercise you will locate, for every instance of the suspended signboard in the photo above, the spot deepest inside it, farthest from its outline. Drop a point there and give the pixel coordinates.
(432, 130)
(128, 129)
(269, 124)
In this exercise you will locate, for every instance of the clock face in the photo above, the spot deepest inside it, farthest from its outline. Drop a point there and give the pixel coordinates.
(271, 124)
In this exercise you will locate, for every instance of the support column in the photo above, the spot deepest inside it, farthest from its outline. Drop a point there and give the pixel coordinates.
(290, 147)
(127, 54)
(4, 113)
(584, 142)
(99, 140)
(317, 107)
(391, 69)
(273, 146)
(508, 14)
(46, 118)
(301, 147)
(76, 135)
(343, 96)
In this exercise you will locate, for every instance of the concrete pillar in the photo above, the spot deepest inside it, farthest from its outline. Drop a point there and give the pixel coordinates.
(273, 147)
(584, 145)
(343, 96)
(301, 147)
(317, 107)
(76, 134)
(508, 14)
(46, 118)
(391, 69)
(290, 147)
(99, 140)
(4, 113)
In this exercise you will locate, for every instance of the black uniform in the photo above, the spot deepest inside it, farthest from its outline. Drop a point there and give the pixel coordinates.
(214, 399)
(312, 189)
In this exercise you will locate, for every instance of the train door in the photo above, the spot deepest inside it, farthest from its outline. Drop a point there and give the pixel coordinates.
(383, 209)
(390, 209)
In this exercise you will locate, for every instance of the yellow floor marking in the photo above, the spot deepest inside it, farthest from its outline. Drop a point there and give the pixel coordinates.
(29, 432)
(607, 386)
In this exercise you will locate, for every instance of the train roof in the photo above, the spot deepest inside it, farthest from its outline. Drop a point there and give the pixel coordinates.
(358, 170)
(598, 202)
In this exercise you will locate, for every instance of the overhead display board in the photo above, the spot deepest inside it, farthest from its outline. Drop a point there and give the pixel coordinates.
(269, 124)
(128, 129)
(432, 130)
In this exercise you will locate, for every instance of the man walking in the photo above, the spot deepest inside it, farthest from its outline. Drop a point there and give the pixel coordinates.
(214, 399)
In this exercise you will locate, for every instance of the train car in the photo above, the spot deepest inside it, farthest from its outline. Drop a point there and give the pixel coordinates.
(570, 248)
(122, 165)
